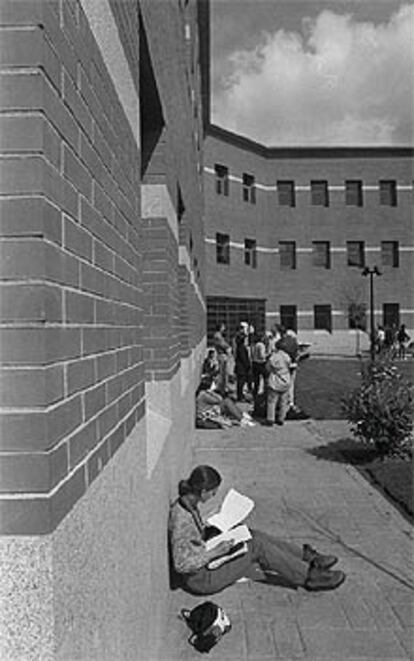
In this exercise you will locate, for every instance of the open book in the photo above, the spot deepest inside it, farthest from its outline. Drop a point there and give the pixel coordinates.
(234, 509)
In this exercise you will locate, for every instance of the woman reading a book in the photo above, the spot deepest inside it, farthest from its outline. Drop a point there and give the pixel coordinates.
(200, 566)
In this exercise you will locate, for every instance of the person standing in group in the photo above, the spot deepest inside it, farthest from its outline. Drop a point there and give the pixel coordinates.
(258, 364)
(222, 348)
(289, 343)
(402, 339)
(242, 360)
(278, 368)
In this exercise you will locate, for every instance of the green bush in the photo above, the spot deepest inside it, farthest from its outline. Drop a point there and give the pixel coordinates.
(381, 409)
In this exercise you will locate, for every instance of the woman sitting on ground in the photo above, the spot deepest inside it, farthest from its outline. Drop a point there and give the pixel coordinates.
(214, 411)
(187, 534)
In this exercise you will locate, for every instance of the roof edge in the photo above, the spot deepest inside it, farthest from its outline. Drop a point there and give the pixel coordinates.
(380, 151)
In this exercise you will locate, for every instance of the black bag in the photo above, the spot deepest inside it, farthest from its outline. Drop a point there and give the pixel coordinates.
(208, 622)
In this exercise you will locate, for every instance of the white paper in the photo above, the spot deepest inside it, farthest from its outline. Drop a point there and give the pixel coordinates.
(235, 508)
(238, 534)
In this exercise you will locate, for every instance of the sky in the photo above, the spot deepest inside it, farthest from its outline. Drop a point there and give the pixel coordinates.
(314, 72)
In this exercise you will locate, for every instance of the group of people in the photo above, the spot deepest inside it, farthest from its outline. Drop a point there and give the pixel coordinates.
(392, 340)
(256, 367)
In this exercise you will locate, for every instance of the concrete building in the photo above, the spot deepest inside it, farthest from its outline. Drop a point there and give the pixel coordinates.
(102, 316)
(289, 231)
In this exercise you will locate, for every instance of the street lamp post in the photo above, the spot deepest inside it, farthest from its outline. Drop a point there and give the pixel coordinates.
(371, 271)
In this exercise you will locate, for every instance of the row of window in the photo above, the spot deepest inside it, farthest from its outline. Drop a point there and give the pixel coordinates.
(321, 253)
(357, 316)
(319, 190)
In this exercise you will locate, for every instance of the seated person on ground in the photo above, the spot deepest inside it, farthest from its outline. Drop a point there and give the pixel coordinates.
(214, 411)
(301, 567)
(210, 364)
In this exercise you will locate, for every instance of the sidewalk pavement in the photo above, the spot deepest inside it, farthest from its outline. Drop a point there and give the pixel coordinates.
(328, 504)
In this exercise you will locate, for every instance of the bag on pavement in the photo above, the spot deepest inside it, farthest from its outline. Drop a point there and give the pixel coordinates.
(208, 623)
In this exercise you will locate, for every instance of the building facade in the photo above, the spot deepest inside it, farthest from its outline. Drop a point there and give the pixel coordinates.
(290, 230)
(102, 317)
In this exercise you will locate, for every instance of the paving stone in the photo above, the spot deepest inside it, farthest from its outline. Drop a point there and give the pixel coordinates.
(287, 640)
(341, 644)
(318, 614)
(259, 637)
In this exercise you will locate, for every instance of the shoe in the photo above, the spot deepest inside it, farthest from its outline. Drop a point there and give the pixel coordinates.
(280, 423)
(267, 423)
(318, 560)
(323, 579)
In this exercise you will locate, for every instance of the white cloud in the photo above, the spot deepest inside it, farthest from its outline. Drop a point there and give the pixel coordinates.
(340, 82)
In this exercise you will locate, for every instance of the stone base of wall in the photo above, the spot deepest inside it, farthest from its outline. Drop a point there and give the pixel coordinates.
(96, 588)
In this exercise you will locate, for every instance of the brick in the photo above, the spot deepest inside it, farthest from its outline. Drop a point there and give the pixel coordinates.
(79, 308)
(59, 115)
(63, 419)
(61, 267)
(77, 105)
(106, 365)
(21, 175)
(77, 173)
(94, 340)
(82, 442)
(80, 375)
(66, 497)
(102, 202)
(91, 159)
(116, 439)
(23, 431)
(102, 256)
(107, 419)
(36, 472)
(29, 48)
(97, 461)
(36, 346)
(91, 279)
(27, 517)
(21, 133)
(115, 387)
(19, 91)
(76, 239)
(29, 388)
(22, 302)
(95, 400)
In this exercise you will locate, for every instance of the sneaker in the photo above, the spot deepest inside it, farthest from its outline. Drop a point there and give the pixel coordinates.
(280, 423)
(318, 560)
(267, 423)
(323, 579)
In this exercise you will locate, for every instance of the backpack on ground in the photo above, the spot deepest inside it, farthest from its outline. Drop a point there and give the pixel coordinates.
(208, 623)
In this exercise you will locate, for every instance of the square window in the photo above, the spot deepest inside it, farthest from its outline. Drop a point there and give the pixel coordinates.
(222, 248)
(321, 254)
(390, 253)
(250, 253)
(287, 252)
(322, 317)
(319, 193)
(222, 179)
(353, 193)
(249, 190)
(388, 193)
(288, 317)
(355, 253)
(286, 193)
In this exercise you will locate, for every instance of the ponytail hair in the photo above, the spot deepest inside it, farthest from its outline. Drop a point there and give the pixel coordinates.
(202, 478)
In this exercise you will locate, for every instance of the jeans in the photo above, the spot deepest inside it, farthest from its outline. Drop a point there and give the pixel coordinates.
(277, 401)
(269, 552)
(259, 372)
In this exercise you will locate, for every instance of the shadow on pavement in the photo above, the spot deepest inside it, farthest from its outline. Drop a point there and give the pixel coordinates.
(344, 451)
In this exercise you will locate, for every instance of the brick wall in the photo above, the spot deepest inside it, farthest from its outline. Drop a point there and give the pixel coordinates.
(72, 383)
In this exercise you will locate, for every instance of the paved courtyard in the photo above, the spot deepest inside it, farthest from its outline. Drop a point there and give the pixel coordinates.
(331, 506)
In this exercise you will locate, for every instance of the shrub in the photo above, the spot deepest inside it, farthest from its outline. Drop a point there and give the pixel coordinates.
(381, 409)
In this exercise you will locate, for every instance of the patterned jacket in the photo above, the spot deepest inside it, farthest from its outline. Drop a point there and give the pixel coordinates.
(188, 549)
